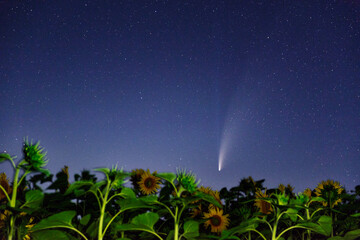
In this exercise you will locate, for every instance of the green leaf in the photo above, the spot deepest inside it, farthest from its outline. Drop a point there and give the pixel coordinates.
(132, 203)
(170, 236)
(170, 177)
(34, 199)
(51, 234)
(62, 219)
(148, 219)
(142, 222)
(355, 215)
(97, 185)
(150, 199)
(292, 213)
(354, 234)
(323, 226)
(245, 226)
(317, 199)
(336, 238)
(191, 229)
(78, 184)
(4, 157)
(128, 193)
(104, 170)
(208, 198)
(44, 171)
(85, 220)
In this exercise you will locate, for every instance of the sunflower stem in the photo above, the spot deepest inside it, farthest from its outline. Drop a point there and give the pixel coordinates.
(13, 201)
(308, 218)
(102, 210)
(5, 193)
(176, 229)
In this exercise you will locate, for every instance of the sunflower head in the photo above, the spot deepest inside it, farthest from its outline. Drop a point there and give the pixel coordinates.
(307, 192)
(263, 206)
(34, 157)
(196, 211)
(331, 191)
(148, 183)
(187, 180)
(135, 177)
(4, 182)
(216, 220)
(117, 176)
(288, 190)
(300, 199)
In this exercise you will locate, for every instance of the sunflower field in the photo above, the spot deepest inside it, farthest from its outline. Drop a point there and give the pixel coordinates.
(140, 204)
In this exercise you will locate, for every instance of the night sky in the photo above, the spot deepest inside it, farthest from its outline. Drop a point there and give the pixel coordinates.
(271, 86)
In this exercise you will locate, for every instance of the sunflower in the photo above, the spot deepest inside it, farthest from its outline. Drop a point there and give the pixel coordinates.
(209, 191)
(196, 211)
(288, 190)
(148, 183)
(330, 191)
(35, 157)
(216, 220)
(264, 206)
(206, 190)
(308, 192)
(216, 195)
(4, 182)
(135, 177)
(187, 180)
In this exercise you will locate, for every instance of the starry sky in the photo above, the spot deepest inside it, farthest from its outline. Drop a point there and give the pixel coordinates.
(170, 84)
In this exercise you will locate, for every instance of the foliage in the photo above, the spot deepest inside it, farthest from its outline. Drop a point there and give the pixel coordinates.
(165, 206)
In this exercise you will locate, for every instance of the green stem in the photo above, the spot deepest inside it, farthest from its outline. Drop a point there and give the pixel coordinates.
(13, 202)
(102, 211)
(6, 195)
(308, 218)
(176, 229)
(275, 224)
(113, 196)
(167, 208)
(289, 228)
(111, 220)
(261, 235)
(23, 176)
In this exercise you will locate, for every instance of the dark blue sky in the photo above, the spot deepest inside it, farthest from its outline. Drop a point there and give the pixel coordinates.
(161, 84)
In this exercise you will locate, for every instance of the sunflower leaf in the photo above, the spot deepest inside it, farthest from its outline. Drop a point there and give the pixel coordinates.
(355, 234)
(148, 219)
(143, 222)
(62, 219)
(128, 193)
(103, 170)
(292, 213)
(4, 157)
(34, 199)
(208, 198)
(191, 229)
(170, 177)
(323, 225)
(85, 220)
(78, 184)
(170, 236)
(132, 203)
(245, 226)
(51, 234)
(317, 199)
(97, 185)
